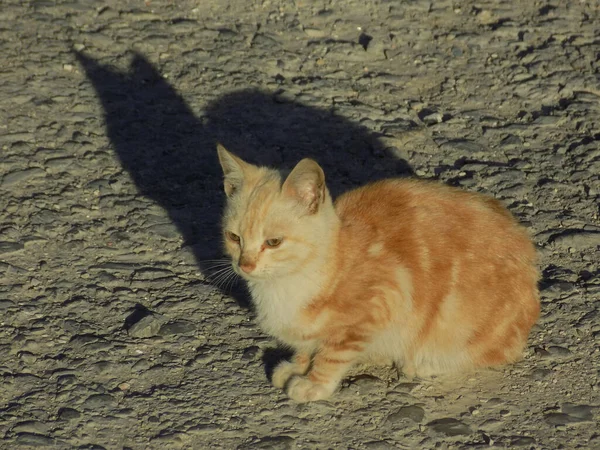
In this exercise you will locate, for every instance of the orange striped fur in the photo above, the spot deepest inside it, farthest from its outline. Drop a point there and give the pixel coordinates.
(430, 277)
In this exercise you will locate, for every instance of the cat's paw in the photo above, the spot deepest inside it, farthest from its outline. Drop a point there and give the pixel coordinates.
(301, 389)
(283, 372)
(409, 371)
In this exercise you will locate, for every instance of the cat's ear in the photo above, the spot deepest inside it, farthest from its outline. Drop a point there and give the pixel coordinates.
(306, 183)
(234, 170)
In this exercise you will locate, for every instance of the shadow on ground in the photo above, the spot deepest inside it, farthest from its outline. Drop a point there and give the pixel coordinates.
(170, 153)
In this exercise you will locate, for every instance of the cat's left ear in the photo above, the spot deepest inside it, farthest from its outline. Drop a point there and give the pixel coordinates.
(306, 183)
(234, 170)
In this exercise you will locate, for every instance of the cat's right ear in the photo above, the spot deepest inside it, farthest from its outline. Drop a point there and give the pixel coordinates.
(306, 183)
(234, 170)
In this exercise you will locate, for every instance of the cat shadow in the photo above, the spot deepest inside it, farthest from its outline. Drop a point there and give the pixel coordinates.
(169, 151)
(271, 358)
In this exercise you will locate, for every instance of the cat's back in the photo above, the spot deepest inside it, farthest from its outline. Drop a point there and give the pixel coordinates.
(445, 256)
(392, 196)
(413, 211)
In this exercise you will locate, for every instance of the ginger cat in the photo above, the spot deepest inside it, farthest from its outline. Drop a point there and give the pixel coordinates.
(430, 277)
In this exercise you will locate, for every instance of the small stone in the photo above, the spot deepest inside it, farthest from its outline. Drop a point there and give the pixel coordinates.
(97, 401)
(557, 350)
(68, 67)
(68, 414)
(20, 175)
(5, 304)
(580, 411)
(169, 439)
(30, 426)
(492, 425)
(522, 440)
(398, 126)
(554, 288)
(141, 365)
(562, 419)
(540, 373)
(462, 145)
(178, 327)
(433, 119)
(449, 427)
(166, 230)
(270, 442)
(146, 327)
(250, 353)
(151, 273)
(577, 239)
(8, 247)
(366, 384)
(61, 162)
(35, 440)
(379, 445)
(202, 429)
(412, 412)
(314, 32)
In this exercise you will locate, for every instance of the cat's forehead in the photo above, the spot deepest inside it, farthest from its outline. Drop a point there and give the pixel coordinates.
(258, 206)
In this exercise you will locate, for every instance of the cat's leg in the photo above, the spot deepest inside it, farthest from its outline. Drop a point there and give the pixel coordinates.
(328, 368)
(286, 369)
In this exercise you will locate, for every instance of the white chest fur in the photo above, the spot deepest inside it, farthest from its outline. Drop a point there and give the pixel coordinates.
(280, 306)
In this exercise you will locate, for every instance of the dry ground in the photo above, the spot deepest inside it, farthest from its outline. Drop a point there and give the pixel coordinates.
(110, 197)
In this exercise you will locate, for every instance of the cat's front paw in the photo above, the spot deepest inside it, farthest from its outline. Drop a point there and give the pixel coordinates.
(301, 389)
(283, 372)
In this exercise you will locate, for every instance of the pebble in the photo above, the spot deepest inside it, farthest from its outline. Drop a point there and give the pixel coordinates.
(462, 145)
(250, 353)
(5, 304)
(577, 239)
(584, 412)
(177, 327)
(380, 445)
(314, 32)
(270, 442)
(540, 373)
(449, 427)
(413, 412)
(519, 441)
(20, 175)
(68, 414)
(31, 426)
(9, 247)
(35, 440)
(98, 401)
(146, 327)
(562, 419)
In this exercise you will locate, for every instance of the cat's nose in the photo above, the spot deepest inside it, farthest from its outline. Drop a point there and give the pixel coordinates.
(247, 266)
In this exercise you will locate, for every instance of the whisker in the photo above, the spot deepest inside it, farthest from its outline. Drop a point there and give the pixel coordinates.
(224, 278)
(233, 278)
(217, 266)
(220, 269)
(216, 277)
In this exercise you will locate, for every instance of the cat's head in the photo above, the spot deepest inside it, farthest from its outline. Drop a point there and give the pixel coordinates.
(273, 228)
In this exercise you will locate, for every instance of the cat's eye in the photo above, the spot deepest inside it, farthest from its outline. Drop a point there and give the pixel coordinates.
(232, 236)
(274, 242)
